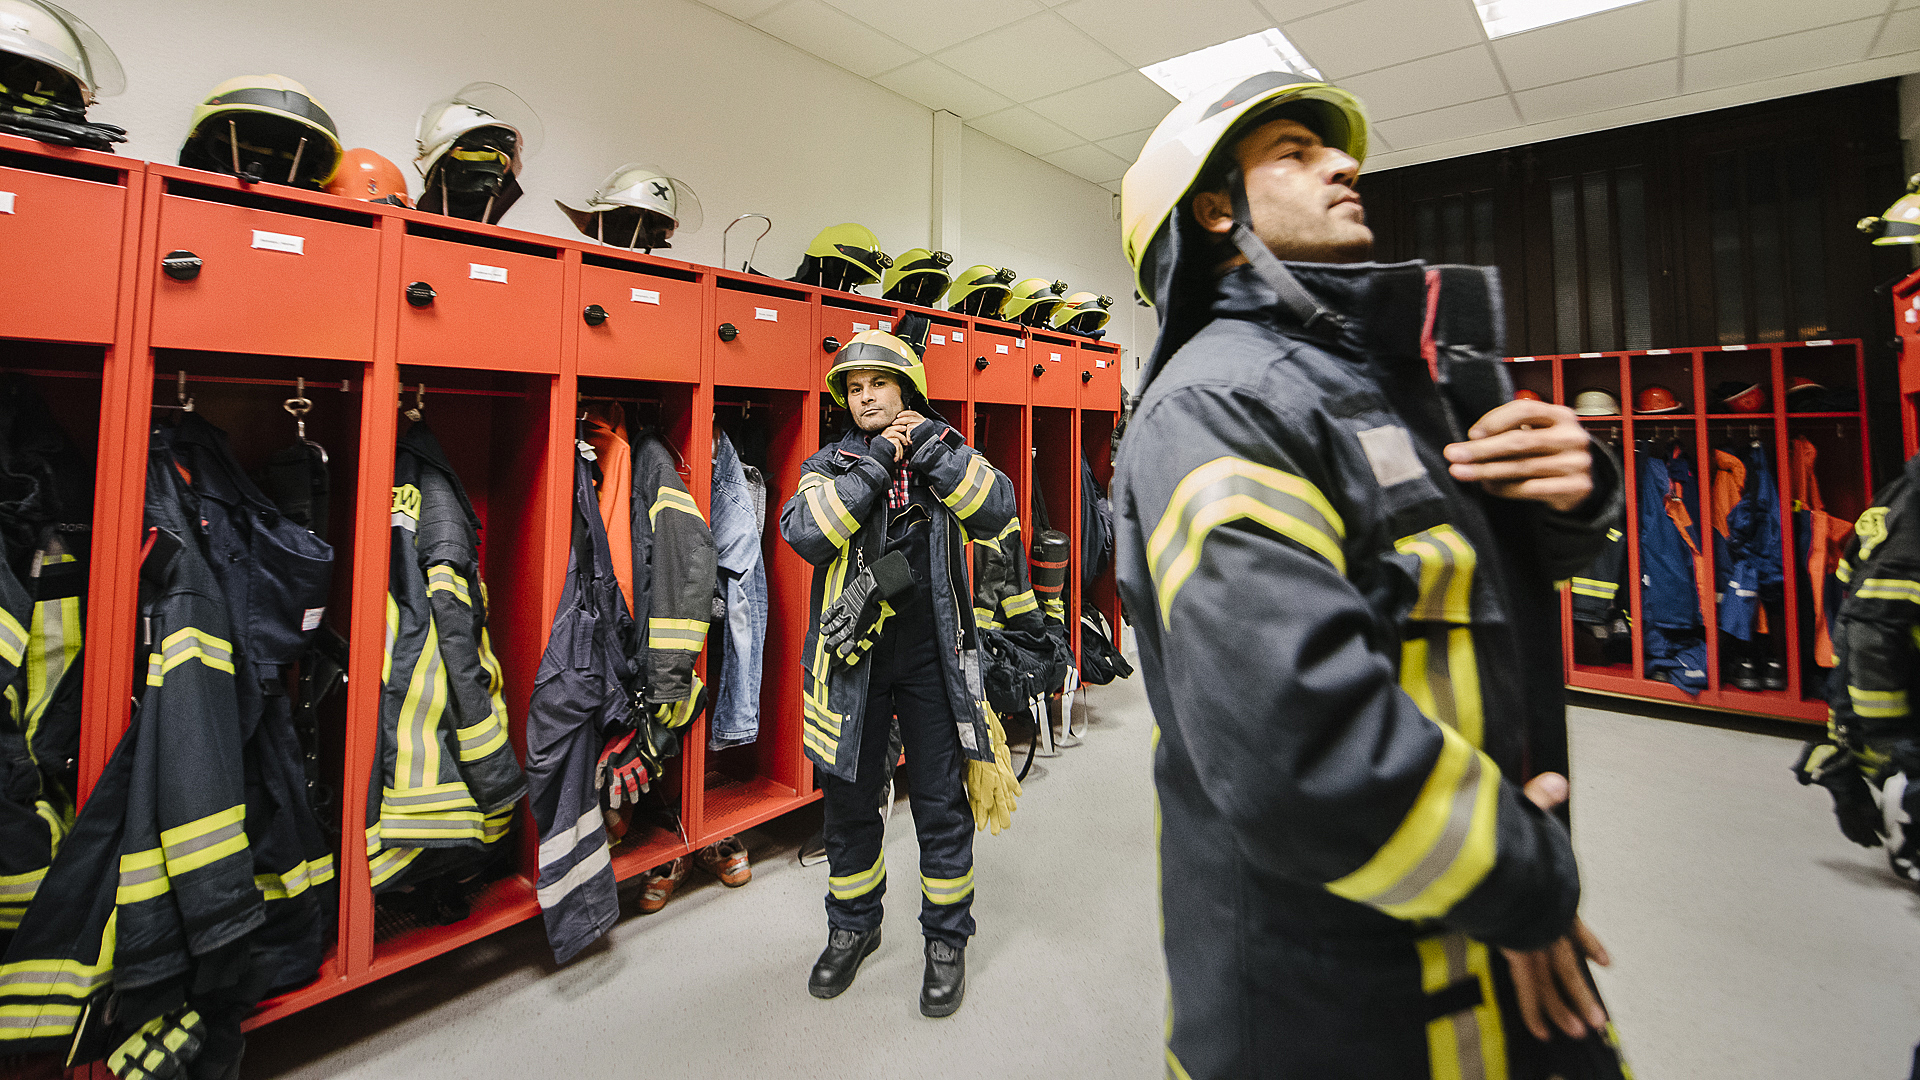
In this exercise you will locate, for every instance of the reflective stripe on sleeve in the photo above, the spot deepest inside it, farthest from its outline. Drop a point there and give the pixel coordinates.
(1878, 704)
(1229, 489)
(671, 498)
(1889, 589)
(444, 578)
(205, 841)
(684, 635)
(1447, 563)
(971, 493)
(191, 643)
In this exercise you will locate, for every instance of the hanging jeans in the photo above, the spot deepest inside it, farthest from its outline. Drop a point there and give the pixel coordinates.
(743, 586)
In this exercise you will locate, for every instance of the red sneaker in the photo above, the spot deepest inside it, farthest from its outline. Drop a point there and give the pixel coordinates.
(661, 881)
(726, 860)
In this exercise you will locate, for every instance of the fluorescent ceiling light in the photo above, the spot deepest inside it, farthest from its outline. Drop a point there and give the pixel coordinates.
(1503, 17)
(1268, 50)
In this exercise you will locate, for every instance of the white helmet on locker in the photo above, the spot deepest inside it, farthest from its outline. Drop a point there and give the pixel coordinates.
(637, 206)
(471, 148)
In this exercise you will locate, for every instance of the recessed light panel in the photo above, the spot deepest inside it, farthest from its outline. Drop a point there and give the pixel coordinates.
(1503, 17)
(1268, 50)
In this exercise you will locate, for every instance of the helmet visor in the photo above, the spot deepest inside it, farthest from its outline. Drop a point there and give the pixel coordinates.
(661, 194)
(505, 107)
(92, 63)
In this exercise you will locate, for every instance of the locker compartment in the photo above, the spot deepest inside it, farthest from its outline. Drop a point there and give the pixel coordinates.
(1835, 370)
(62, 225)
(1054, 364)
(251, 272)
(648, 321)
(1606, 648)
(499, 434)
(1054, 496)
(1840, 470)
(475, 299)
(1675, 371)
(1595, 372)
(1729, 369)
(743, 785)
(999, 432)
(1528, 373)
(764, 336)
(1099, 375)
(1000, 366)
(947, 359)
(1096, 442)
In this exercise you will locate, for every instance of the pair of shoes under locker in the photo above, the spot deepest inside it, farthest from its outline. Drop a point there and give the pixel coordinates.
(943, 982)
(726, 860)
(661, 881)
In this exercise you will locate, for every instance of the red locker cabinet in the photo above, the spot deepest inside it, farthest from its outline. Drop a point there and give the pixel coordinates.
(641, 318)
(999, 355)
(1906, 321)
(64, 216)
(1099, 375)
(1053, 364)
(947, 360)
(764, 334)
(478, 298)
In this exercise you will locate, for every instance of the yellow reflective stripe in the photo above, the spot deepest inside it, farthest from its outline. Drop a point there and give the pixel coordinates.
(1604, 590)
(143, 876)
(19, 1023)
(13, 639)
(296, 880)
(496, 825)
(480, 740)
(444, 578)
(1441, 673)
(1443, 847)
(1012, 528)
(56, 978)
(830, 514)
(1447, 563)
(1844, 572)
(382, 867)
(53, 646)
(1889, 589)
(1878, 704)
(1174, 1068)
(190, 643)
(153, 672)
(686, 635)
(947, 890)
(1020, 603)
(974, 488)
(1470, 1044)
(671, 498)
(860, 884)
(417, 749)
(1229, 489)
(205, 840)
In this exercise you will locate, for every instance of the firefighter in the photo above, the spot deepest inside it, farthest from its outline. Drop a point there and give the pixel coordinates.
(1337, 542)
(883, 515)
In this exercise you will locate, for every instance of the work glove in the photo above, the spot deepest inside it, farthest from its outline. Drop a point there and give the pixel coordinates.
(622, 772)
(1899, 800)
(991, 785)
(161, 1049)
(857, 609)
(1835, 768)
(674, 715)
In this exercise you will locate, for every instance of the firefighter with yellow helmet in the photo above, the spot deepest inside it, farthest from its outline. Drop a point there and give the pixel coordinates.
(1338, 539)
(883, 514)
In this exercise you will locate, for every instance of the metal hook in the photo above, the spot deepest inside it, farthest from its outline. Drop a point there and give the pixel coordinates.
(419, 403)
(751, 252)
(180, 392)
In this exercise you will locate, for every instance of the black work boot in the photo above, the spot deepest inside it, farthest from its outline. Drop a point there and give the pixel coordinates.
(1746, 675)
(945, 981)
(1774, 676)
(840, 961)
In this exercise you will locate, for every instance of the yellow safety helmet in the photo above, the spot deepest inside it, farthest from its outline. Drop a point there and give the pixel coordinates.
(875, 350)
(979, 290)
(1901, 223)
(844, 256)
(918, 276)
(1083, 311)
(264, 128)
(1033, 300)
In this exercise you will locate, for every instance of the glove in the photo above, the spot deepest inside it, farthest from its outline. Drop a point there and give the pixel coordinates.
(161, 1049)
(1898, 800)
(1836, 768)
(991, 785)
(857, 608)
(622, 772)
(674, 715)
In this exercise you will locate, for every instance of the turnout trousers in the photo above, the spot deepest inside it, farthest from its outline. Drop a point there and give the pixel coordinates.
(906, 682)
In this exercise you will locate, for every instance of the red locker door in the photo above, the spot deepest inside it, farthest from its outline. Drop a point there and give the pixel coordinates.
(1099, 376)
(999, 366)
(1054, 367)
(947, 362)
(60, 238)
(473, 306)
(764, 340)
(648, 325)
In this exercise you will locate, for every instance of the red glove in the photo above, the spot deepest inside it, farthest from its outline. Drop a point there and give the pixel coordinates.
(621, 774)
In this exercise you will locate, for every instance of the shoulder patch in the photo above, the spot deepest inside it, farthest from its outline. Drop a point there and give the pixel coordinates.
(1390, 451)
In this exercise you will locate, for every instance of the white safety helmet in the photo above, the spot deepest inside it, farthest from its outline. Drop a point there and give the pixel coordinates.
(636, 204)
(476, 105)
(54, 38)
(472, 146)
(1595, 402)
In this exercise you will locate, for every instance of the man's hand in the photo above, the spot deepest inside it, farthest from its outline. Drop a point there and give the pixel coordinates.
(1551, 983)
(1527, 450)
(900, 432)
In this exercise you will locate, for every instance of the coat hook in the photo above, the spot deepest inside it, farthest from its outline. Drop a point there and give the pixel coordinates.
(419, 403)
(180, 392)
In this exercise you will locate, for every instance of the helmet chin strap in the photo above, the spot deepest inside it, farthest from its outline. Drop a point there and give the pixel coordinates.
(1293, 297)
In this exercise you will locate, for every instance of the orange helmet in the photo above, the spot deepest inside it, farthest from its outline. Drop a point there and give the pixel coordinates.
(1741, 396)
(368, 177)
(1656, 399)
(1523, 394)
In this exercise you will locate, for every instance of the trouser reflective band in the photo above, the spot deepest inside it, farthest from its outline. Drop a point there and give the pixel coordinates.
(947, 890)
(1464, 1039)
(860, 884)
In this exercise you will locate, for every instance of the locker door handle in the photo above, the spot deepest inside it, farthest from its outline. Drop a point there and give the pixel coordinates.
(980, 363)
(594, 315)
(420, 294)
(830, 345)
(181, 265)
(728, 331)
(1086, 376)
(1039, 370)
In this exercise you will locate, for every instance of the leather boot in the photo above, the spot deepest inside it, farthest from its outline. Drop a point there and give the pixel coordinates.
(1774, 676)
(840, 961)
(945, 981)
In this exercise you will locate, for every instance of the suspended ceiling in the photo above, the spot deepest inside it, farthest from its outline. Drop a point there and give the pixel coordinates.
(1060, 80)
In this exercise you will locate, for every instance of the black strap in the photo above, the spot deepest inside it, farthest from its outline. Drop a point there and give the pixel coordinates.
(1295, 299)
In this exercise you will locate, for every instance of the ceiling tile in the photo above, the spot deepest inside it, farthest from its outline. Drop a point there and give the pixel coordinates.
(1622, 38)
(1715, 24)
(1127, 146)
(1032, 58)
(1902, 33)
(938, 87)
(1598, 93)
(1424, 85)
(1375, 34)
(1113, 186)
(1126, 102)
(1285, 11)
(1781, 56)
(835, 37)
(1020, 128)
(932, 25)
(1446, 125)
(745, 10)
(1148, 33)
(1089, 163)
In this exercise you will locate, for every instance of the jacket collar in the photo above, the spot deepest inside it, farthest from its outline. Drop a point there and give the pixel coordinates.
(1383, 306)
(420, 443)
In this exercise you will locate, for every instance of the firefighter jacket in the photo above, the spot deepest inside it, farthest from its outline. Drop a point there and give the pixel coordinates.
(1596, 590)
(30, 825)
(1354, 664)
(674, 571)
(1822, 539)
(836, 520)
(588, 688)
(1870, 694)
(1746, 525)
(447, 777)
(156, 892)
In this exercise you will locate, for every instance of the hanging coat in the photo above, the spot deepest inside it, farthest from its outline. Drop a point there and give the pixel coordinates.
(1674, 637)
(1748, 542)
(1596, 590)
(1821, 540)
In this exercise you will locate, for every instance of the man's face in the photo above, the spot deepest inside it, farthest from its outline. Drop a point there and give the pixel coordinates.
(874, 398)
(1300, 192)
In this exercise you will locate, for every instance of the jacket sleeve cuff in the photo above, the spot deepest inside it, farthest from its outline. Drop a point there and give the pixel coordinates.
(932, 442)
(880, 451)
(1604, 505)
(1529, 898)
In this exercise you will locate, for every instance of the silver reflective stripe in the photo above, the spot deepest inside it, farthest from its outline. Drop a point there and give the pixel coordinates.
(1466, 1024)
(560, 845)
(1445, 849)
(582, 872)
(184, 848)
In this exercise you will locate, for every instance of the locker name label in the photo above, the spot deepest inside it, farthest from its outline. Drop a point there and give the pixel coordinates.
(273, 241)
(1001, 348)
(482, 272)
(1099, 363)
(958, 336)
(939, 339)
(860, 327)
(766, 314)
(6, 202)
(646, 296)
(1055, 357)
(885, 325)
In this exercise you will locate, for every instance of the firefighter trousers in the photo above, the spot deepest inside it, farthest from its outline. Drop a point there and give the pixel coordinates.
(906, 682)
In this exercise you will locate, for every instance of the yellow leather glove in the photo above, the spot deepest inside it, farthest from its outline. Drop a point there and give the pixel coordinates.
(991, 785)
(678, 714)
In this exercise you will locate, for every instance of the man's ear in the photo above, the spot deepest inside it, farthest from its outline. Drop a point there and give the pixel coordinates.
(1213, 211)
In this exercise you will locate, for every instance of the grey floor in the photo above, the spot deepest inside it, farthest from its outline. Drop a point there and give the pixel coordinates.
(1750, 940)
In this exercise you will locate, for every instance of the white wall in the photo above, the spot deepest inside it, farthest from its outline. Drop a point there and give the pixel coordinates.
(752, 123)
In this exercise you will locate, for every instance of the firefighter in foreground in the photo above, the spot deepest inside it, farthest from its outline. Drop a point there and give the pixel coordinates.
(1338, 540)
(883, 515)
